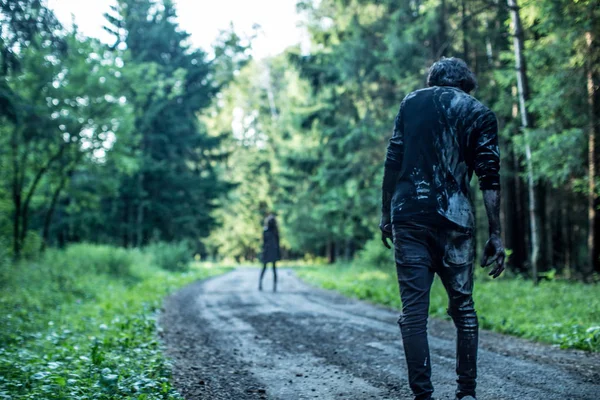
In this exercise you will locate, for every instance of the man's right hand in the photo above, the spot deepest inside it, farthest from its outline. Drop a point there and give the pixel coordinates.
(494, 252)
(386, 233)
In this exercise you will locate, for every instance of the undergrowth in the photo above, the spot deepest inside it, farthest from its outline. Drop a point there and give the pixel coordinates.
(557, 312)
(81, 324)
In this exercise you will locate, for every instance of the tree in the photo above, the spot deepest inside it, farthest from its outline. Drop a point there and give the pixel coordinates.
(593, 91)
(173, 194)
(58, 108)
(526, 124)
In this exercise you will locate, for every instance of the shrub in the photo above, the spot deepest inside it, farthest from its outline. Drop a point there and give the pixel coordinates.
(375, 254)
(4, 264)
(71, 329)
(109, 260)
(31, 246)
(170, 256)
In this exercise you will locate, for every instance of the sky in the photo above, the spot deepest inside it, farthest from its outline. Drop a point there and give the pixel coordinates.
(203, 19)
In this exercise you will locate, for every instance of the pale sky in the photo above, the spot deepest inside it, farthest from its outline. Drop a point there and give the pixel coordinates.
(203, 19)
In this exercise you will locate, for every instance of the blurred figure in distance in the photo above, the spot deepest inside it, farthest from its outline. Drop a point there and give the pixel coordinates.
(270, 252)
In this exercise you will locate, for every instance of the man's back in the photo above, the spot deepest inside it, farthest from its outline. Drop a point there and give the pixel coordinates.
(441, 136)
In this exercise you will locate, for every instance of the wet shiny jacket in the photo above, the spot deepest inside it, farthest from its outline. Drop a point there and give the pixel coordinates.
(441, 136)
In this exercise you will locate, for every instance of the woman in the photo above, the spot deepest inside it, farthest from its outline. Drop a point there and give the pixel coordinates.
(270, 253)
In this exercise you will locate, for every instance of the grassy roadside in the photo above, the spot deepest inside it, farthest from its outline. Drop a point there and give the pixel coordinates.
(557, 312)
(81, 324)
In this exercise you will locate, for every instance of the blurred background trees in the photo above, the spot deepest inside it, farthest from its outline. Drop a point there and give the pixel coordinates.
(147, 139)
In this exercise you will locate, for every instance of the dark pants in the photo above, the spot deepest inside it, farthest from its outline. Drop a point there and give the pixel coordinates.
(421, 251)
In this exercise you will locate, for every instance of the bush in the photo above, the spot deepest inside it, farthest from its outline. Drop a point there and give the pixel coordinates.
(109, 260)
(31, 246)
(170, 256)
(375, 254)
(73, 328)
(74, 274)
(4, 264)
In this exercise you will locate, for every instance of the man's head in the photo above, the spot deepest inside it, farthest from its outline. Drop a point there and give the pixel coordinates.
(452, 72)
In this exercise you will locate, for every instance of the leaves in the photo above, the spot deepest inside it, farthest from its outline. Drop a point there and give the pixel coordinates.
(97, 343)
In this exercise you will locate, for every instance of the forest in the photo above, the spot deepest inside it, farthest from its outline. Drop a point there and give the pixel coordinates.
(148, 140)
(133, 167)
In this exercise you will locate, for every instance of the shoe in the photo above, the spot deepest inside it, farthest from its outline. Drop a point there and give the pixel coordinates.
(466, 398)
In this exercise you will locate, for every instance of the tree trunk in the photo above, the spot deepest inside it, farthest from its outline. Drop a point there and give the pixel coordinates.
(139, 223)
(464, 25)
(126, 225)
(331, 251)
(593, 83)
(17, 225)
(16, 195)
(50, 211)
(526, 123)
(442, 45)
(566, 237)
(545, 233)
(512, 203)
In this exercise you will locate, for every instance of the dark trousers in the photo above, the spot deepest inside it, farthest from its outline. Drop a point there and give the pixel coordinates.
(421, 251)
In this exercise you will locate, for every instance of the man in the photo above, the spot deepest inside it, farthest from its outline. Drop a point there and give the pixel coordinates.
(441, 136)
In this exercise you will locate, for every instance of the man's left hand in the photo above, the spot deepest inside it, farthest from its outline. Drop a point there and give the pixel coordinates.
(493, 252)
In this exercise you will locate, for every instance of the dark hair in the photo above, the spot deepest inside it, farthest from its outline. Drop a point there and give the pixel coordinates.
(271, 221)
(452, 72)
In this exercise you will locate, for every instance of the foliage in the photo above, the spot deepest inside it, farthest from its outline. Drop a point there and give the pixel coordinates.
(170, 256)
(308, 128)
(96, 136)
(550, 312)
(375, 254)
(73, 329)
(97, 259)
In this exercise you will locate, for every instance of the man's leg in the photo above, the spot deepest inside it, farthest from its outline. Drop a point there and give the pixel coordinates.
(415, 276)
(456, 273)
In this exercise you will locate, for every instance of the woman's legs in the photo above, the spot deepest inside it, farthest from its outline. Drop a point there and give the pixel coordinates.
(262, 273)
(274, 277)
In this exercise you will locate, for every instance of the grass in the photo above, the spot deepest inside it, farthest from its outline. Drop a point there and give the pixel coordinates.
(557, 312)
(81, 324)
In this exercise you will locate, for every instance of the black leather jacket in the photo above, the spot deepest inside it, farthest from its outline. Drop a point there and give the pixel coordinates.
(441, 136)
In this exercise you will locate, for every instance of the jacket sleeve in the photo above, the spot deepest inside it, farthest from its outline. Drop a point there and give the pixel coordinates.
(395, 149)
(393, 163)
(486, 153)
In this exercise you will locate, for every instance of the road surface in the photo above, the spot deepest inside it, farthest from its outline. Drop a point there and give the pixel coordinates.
(229, 341)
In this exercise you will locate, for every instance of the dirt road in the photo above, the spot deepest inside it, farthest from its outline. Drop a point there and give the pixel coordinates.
(230, 341)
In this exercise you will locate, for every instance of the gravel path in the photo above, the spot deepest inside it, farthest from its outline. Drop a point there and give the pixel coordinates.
(229, 341)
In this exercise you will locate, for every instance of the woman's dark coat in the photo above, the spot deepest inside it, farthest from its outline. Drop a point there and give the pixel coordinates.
(271, 251)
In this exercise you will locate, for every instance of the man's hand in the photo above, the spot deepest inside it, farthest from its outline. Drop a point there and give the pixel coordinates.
(494, 252)
(386, 231)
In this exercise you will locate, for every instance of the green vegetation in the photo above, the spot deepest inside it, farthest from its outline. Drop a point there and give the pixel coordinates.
(556, 312)
(156, 151)
(308, 128)
(148, 139)
(170, 256)
(81, 324)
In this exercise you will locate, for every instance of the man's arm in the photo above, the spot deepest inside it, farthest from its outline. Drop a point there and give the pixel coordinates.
(494, 250)
(393, 164)
(487, 169)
